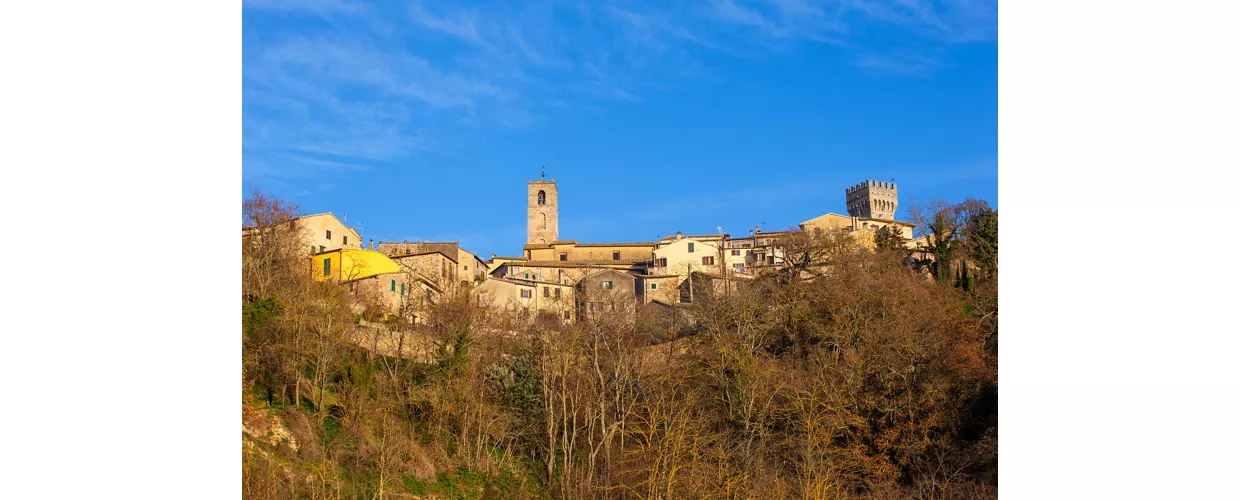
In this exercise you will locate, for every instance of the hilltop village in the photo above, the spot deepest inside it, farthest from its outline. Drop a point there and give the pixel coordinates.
(568, 279)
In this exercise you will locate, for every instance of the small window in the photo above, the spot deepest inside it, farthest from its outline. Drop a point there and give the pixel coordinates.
(402, 289)
(350, 286)
(740, 268)
(345, 239)
(654, 286)
(736, 252)
(546, 291)
(606, 285)
(393, 285)
(708, 261)
(563, 256)
(527, 275)
(329, 235)
(557, 293)
(322, 249)
(311, 248)
(327, 266)
(525, 294)
(567, 315)
(615, 256)
(542, 197)
(690, 247)
(770, 260)
(466, 268)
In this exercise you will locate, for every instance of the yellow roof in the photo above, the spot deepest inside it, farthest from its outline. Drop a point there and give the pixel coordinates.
(356, 264)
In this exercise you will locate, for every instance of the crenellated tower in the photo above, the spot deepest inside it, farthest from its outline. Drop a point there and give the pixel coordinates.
(873, 200)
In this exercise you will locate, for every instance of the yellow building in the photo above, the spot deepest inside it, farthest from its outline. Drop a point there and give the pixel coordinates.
(862, 228)
(320, 233)
(572, 251)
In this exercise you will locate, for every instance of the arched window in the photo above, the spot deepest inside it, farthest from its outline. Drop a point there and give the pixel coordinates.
(542, 197)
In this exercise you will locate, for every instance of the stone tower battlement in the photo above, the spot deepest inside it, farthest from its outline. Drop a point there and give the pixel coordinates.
(872, 199)
(543, 217)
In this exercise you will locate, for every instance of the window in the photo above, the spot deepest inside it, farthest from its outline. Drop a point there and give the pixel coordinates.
(393, 285)
(542, 197)
(708, 261)
(690, 247)
(654, 286)
(466, 268)
(402, 289)
(606, 285)
(546, 291)
(322, 249)
(770, 260)
(615, 256)
(563, 256)
(662, 262)
(345, 239)
(311, 248)
(525, 311)
(740, 268)
(736, 252)
(525, 294)
(568, 315)
(464, 283)
(327, 266)
(350, 286)
(557, 293)
(527, 275)
(329, 235)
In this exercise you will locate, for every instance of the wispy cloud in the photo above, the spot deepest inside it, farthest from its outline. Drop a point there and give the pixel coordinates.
(899, 62)
(371, 84)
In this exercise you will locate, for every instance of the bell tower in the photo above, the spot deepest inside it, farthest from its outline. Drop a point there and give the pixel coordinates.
(543, 220)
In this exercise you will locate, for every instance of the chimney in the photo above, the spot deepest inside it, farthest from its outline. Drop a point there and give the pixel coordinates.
(678, 235)
(757, 230)
(372, 243)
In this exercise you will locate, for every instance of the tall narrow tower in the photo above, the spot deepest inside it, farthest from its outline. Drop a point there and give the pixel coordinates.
(872, 200)
(543, 222)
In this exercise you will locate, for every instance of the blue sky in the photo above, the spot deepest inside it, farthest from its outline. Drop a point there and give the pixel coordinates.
(425, 120)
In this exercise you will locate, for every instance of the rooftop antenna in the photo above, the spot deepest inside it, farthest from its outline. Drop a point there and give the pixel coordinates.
(720, 228)
(543, 175)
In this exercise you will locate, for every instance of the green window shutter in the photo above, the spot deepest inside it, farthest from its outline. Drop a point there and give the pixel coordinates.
(350, 286)
(322, 248)
(690, 247)
(311, 248)
(327, 266)
(393, 285)
(654, 286)
(402, 289)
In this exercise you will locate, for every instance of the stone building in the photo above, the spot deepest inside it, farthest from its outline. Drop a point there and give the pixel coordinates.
(872, 200)
(542, 214)
(529, 298)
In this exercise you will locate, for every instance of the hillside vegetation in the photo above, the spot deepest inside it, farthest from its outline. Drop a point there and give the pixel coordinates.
(848, 374)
